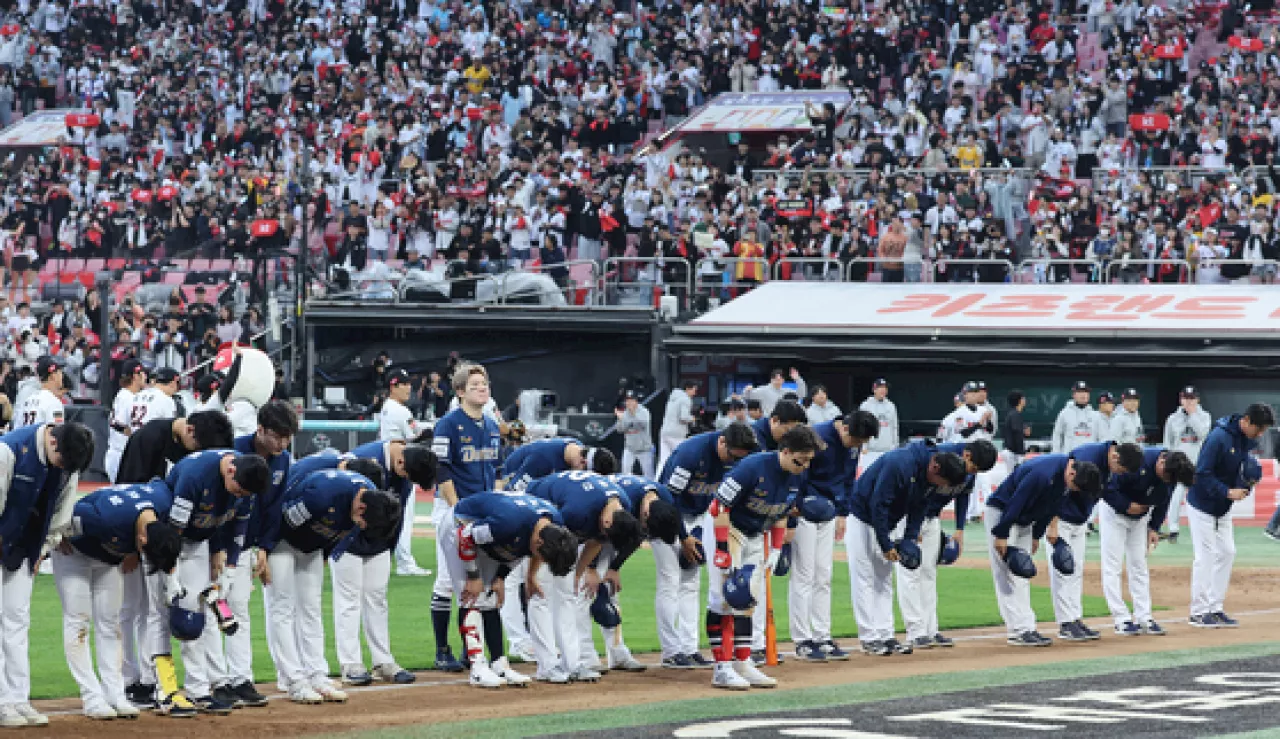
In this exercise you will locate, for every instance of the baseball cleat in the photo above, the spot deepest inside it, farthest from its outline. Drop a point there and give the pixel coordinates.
(125, 709)
(483, 676)
(210, 704)
(10, 718)
(677, 662)
(943, 641)
(502, 668)
(1203, 621)
(1070, 631)
(807, 651)
(700, 662)
(898, 647)
(32, 716)
(1225, 621)
(591, 661)
(142, 696)
(391, 672)
(1172, 538)
(1028, 639)
(176, 706)
(356, 676)
(1154, 629)
(728, 678)
(556, 676)
(248, 695)
(224, 694)
(99, 711)
(330, 691)
(1128, 628)
(760, 659)
(833, 651)
(620, 659)
(584, 674)
(306, 695)
(922, 642)
(1085, 629)
(446, 662)
(755, 677)
(876, 648)
(1271, 534)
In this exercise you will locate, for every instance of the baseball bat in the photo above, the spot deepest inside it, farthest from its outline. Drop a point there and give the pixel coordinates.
(770, 628)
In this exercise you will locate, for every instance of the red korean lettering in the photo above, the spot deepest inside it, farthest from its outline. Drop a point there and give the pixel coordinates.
(1116, 307)
(1213, 308)
(1020, 306)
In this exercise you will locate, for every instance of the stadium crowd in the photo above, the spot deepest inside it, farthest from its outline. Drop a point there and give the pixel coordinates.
(504, 136)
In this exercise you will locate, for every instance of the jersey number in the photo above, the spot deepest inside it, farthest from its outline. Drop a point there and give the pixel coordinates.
(29, 418)
(136, 414)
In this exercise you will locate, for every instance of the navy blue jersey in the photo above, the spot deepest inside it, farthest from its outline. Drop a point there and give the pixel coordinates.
(279, 466)
(202, 509)
(502, 523)
(895, 485)
(535, 460)
(580, 497)
(316, 513)
(835, 468)
(1031, 495)
(636, 487)
(1143, 487)
(764, 434)
(329, 459)
(401, 487)
(694, 472)
(468, 452)
(1077, 508)
(758, 491)
(938, 502)
(1224, 463)
(104, 522)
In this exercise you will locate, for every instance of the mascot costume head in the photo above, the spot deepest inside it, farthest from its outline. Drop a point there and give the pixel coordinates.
(250, 379)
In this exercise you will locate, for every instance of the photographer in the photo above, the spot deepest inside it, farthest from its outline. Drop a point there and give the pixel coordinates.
(171, 346)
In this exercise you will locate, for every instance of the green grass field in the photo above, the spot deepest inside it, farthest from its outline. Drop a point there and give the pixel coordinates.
(966, 599)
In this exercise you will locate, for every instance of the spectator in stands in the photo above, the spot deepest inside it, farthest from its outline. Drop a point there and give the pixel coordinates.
(229, 330)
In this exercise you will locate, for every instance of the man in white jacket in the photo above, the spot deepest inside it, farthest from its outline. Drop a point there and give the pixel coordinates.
(821, 408)
(882, 408)
(1185, 431)
(1078, 423)
(676, 420)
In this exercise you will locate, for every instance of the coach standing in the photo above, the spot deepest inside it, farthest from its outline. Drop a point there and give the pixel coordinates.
(1185, 431)
(676, 419)
(637, 433)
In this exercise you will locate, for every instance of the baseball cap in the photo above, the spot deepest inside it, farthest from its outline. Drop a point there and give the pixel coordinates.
(632, 395)
(166, 375)
(1106, 397)
(880, 382)
(132, 367)
(1189, 392)
(982, 385)
(208, 384)
(1080, 386)
(397, 377)
(47, 365)
(1130, 392)
(971, 387)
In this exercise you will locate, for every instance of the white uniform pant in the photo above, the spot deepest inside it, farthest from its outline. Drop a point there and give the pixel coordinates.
(112, 463)
(871, 582)
(1124, 542)
(809, 585)
(750, 552)
(91, 592)
(1214, 547)
(135, 607)
(553, 624)
(200, 656)
(440, 513)
(676, 603)
(1068, 590)
(15, 614)
(1175, 508)
(234, 652)
(645, 458)
(667, 446)
(447, 541)
(513, 612)
(360, 598)
(582, 611)
(294, 620)
(918, 588)
(1013, 593)
(404, 545)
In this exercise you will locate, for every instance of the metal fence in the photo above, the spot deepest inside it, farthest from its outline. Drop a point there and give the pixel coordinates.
(1158, 177)
(637, 280)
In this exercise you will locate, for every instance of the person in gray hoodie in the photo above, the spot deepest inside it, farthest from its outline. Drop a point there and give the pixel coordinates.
(1185, 431)
(770, 394)
(879, 405)
(676, 420)
(1078, 423)
(1126, 422)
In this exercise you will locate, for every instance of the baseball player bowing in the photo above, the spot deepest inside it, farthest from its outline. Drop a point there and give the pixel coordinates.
(40, 469)
(1018, 514)
(596, 511)
(483, 536)
(894, 487)
(361, 578)
(693, 473)
(322, 511)
(786, 415)
(753, 502)
(112, 530)
(1135, 506)
(1074, 512)
(1225, 474)
(831, 476)
(918, 588)
(211, 506)
(537, 459)
(467, 442)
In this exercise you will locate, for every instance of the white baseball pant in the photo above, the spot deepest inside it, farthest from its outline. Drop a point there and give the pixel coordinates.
(1124, 542)
(135, 606)
(676, 603)
(15, 614)
(1068, 590)
(750, 552)
(645, 458)
(918, 588)
(1175, 508)
(442, 518)
(512, 611)
(667, 446)
(200, 657)
(871, 581)
(809, 584)
(233, 653)
(1013, 593)
(447, 540)
(404, 545)
(112, 463)
(294, 621)
(360, 598)
(553, 624)
(1214, 546)
(582, 612)
(91, 592)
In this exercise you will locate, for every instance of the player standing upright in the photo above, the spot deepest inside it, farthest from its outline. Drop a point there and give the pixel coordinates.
(133, 376)
(886, 412)
(969, 421)
(1185, 430)
(156, 401)
(467, 443)
(45, 405)
(396, 423)
(1078, 423)
(692, 474)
